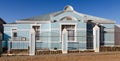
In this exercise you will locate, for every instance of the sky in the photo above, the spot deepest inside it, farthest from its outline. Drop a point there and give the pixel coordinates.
(12, 10)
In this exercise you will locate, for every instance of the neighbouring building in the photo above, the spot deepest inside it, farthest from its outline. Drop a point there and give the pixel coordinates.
(63, 30)
(1, 33)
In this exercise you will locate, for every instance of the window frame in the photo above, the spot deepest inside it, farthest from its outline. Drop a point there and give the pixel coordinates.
(75, 34)
(39, 31)
(14, 31)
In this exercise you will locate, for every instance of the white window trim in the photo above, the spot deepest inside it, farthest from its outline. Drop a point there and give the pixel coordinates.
(39, 29)
(12, 31)
(75, 31)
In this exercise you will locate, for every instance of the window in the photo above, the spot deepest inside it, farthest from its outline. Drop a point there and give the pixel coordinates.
(14, 33)
(37, 32)
(68, 18)
(71, 35)
(71, 31)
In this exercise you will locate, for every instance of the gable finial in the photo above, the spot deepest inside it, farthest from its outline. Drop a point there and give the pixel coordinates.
(68, 8)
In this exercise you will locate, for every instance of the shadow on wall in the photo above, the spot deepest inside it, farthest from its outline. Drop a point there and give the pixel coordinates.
(89, 34)
(5, 42)
(117, 35)
(102, 35)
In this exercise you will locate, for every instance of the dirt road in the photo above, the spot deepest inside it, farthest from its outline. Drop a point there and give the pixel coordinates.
(103, 56)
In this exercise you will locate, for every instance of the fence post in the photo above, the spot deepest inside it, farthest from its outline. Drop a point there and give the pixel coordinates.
(64, 41)
(96, 38)
(9, 46)
(32, 42)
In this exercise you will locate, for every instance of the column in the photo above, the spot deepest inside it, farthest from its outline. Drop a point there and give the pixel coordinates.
(64, 41)
(9, 46)
(32, 43)
(96, 38)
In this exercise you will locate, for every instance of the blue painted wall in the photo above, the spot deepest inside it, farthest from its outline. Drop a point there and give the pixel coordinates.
(50, 34)
(108, 34)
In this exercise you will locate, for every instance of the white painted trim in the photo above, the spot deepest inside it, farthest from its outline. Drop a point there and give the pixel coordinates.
(34, 22)
(64, 41)
(48, 42)
(68, 24)
(50, 37)
(29, 45)
(36, 25)
(82, 42)
(82, 49)
(81, 15)
(109, 41)
(30, 37)
(96, 38)
(12, 31)
(19, 41)
(17, 29)
(59, 42)
(23, 29)
(108, 46)
(109, 30)
(100, 20)
(7, 31)
(9, 24)
(32, 43)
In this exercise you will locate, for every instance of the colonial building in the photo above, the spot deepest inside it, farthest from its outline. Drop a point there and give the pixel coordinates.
(63, 30)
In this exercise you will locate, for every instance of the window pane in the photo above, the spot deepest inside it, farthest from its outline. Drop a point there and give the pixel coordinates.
(71, 35)
(37, 32)
(14, 34)
(37, 35)
(71, 30)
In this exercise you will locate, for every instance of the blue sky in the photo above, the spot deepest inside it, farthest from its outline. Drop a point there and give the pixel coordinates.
(12, 10)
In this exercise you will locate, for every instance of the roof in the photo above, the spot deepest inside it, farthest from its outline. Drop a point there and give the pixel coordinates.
(117, 25)
(49, 17)
(2, 21)
(95, 19)
(45, 17)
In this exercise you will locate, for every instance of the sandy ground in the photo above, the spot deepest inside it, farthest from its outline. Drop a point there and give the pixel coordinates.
(103, 56)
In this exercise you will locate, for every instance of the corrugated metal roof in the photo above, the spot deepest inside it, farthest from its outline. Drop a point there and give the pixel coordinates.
(48, 17)
(97, 19)
(45, 17)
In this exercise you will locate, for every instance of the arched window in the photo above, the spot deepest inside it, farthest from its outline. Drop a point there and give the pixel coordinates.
(68, 18)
